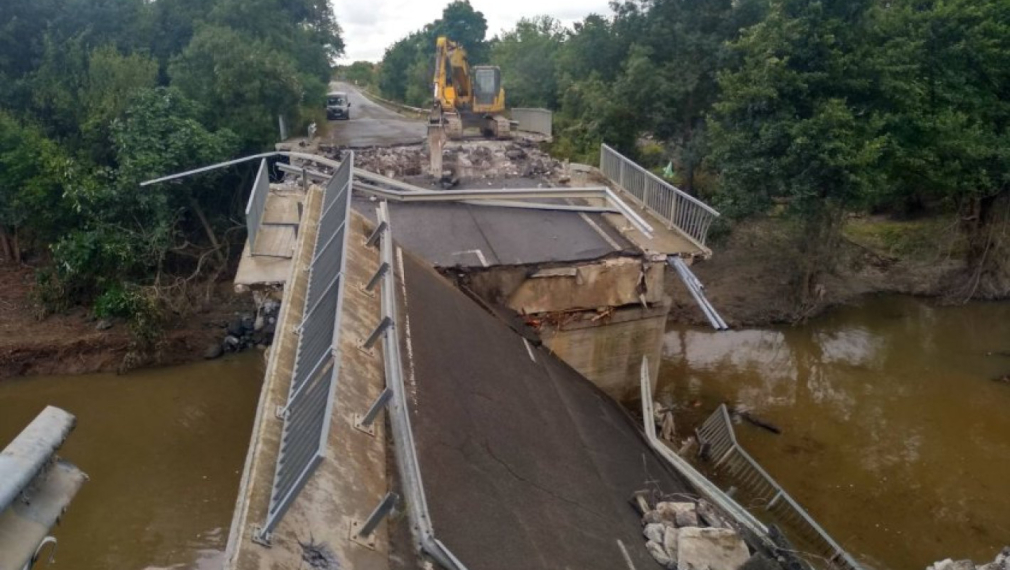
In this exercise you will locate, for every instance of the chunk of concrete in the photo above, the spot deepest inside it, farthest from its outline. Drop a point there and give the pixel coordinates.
(670, 541)
(949, 564)
(657, 552)
(654, 532)
(681, 514)
(710, 549)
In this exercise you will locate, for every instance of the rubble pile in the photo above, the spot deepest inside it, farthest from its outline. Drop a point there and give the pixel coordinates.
(693, 536)
(247, 330)
(1002, 562)
(475, 160)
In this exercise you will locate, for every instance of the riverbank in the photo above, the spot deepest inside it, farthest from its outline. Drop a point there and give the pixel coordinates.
(72, 343)
(748, 278)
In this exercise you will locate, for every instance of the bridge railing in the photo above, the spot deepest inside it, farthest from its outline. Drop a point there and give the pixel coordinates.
(317, 360)
(257, 204)
(718, 440)
(540, 121)
(680, 210)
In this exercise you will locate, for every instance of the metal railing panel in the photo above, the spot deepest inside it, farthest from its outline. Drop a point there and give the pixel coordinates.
(317, 361)
(718, 440)
(257, 204)
(680, 210)
(540, 121)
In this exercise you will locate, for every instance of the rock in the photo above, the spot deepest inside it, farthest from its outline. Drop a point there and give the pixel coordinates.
(657, 552)
(670, 537)
(708, 516)
(515, 154)
(760, 562)
(231, 342)
(681, 514)
(652, 517)
(710, 549)
(104, 325)
(213, 351)
(235, 328)
(949, 564)
(654, 532)
(248, 322)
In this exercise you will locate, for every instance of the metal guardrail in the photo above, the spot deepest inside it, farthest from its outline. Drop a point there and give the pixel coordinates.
(540, 121)
(257, 203)
(399, 418)
(762, 490)
(681, 211)
(697, 291)
(317, 361)
(705, 487)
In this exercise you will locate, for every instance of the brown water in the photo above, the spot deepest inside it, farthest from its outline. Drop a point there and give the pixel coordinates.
(164, 449)
(895, 438)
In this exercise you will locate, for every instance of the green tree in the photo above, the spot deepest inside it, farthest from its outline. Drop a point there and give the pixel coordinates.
(794, 122)
(241, 83)
(527, 56)
(34, 177)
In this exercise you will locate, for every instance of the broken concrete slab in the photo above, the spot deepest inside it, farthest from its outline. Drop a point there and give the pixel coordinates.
(680, 514)
(670, 537)
(710, 549)
(654, 532)
(659, 553)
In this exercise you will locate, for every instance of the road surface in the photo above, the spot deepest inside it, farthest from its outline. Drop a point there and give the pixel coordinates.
(372, 124)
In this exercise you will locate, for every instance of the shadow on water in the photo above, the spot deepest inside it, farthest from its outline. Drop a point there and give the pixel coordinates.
(895, 436)
(164, 449)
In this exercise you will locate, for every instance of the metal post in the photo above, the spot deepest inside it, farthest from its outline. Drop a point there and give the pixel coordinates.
(361, 532)
(376, 234)
(383, 269)
(369, 342)
(364, 422)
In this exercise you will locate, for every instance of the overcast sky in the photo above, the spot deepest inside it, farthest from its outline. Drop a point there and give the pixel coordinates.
(370, 26)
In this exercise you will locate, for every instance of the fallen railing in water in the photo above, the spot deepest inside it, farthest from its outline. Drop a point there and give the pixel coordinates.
(718, 442)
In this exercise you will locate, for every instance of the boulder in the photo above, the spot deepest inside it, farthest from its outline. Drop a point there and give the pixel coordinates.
(652, 517)
(104, 325)
(680, 514)
(213, 351)
(710, 549)
(654, 532)
(657, 552)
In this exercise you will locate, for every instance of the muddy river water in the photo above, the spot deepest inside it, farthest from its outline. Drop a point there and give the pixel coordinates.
(164, 449)
(894, 435)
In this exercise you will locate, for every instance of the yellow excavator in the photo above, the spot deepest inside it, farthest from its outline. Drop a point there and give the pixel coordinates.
(466, 96)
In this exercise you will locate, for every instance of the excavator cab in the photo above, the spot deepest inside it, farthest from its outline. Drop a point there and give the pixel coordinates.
(487, 86)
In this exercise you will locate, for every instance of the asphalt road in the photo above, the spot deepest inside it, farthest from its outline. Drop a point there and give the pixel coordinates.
(372, 124)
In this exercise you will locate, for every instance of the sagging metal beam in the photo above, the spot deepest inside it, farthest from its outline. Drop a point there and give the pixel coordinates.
(31, 450)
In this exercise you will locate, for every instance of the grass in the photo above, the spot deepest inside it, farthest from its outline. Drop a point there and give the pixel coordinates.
(919, 239)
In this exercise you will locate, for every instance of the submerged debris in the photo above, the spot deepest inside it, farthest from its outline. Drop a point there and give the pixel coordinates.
(1002, 562)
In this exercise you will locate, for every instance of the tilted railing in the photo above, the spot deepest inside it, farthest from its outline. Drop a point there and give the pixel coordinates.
(399, 415)
(719, 443)
(540, 121)
(317, 361)
(257, 204)
(681, 211)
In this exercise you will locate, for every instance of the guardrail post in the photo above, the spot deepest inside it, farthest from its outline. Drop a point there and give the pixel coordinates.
(369, 342)
(373, 238)
(377, 277)
(362, 532)
(363, 423)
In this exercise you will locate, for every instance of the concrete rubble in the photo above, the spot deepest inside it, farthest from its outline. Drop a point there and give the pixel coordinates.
(1002, 562)
(680, 537)
(472, 160)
